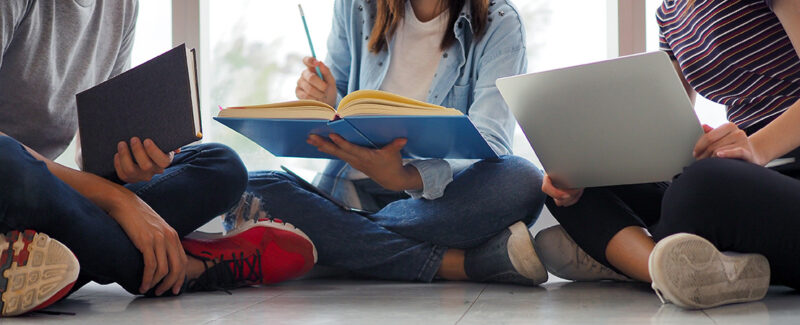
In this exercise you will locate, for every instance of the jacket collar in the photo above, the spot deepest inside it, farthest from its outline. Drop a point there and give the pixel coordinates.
(463, 23)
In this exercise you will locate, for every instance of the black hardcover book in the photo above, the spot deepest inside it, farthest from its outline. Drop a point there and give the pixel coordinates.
(156, 100)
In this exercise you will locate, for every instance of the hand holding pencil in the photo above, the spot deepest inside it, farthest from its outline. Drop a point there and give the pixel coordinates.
(311, 86)
(316, 82)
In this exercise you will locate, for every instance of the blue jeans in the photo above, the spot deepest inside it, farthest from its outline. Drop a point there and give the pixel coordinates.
(202, 182)
(407, 238)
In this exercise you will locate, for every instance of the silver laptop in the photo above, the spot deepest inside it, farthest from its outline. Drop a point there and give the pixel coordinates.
(621, 121)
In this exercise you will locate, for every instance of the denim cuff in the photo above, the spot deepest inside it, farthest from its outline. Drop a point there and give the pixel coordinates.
(428, 271)
(436, 174)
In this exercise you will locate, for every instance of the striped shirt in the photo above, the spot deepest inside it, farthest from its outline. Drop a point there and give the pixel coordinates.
(733, 52)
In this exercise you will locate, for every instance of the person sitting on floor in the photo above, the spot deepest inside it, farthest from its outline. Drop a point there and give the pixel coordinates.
(743, 54)
(129, 233)
(430, 218)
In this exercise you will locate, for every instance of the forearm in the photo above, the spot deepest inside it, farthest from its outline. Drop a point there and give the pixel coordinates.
(779, 136)
(100, 191)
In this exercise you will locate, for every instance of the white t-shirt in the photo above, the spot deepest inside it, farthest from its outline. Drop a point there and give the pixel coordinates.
(415, 56)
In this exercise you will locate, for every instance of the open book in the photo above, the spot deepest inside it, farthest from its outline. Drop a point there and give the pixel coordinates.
(369, 118)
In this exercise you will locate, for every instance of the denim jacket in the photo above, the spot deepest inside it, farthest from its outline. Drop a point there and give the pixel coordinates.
(465, 80)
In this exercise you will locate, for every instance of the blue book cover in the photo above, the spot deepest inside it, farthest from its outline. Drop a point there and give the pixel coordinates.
(452, 137)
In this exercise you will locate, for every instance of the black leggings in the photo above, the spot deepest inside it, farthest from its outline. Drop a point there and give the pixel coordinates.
(738, 206)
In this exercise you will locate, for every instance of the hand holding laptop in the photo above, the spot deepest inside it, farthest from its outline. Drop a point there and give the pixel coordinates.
(727, 141)
(562, 197)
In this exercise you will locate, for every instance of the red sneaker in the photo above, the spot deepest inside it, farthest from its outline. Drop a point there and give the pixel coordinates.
(35, 270)
(260, 253)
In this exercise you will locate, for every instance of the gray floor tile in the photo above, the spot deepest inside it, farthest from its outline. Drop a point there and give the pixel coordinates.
(781, 306)
(374, 288)
(97, 304)
(576, 303)
(351, 311)
(349, 301)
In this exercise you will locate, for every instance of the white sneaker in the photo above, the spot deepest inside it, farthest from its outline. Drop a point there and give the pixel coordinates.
(690, 272)
(565, 259)
(35, 271)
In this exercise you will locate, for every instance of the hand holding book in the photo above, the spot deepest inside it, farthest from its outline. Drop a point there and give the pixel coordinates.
(141, 161)
(384, 165)
(157, 101)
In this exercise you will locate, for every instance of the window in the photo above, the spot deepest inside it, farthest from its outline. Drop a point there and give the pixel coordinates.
(152, 30)
(256, 49)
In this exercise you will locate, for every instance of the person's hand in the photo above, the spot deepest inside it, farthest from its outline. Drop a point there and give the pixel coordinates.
(384, 166)
(164, 257)
(141, 161)
(310, 86)
(562, 197)
(727, 141)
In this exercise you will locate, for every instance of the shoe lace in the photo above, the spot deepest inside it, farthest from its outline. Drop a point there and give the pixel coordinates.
(585, 261)
(228, 273)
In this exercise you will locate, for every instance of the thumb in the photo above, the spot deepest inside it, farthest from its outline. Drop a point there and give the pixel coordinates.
(395, 145)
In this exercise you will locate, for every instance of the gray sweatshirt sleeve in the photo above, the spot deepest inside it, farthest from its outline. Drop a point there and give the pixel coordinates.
(11, 13)
(123, 62)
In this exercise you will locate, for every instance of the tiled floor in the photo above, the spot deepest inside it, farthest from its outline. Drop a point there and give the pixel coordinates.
(349, 301)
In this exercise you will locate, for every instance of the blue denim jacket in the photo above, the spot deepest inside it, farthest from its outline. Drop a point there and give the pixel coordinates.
(465, 80)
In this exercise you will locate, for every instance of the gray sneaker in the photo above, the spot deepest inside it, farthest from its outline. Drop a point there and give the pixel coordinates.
(566, 260)
(508, 257)
(690, 272)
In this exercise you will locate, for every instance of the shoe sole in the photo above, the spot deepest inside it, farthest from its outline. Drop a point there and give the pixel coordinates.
(197, 235)
(36, 272)
(691, 273)
(523, 255)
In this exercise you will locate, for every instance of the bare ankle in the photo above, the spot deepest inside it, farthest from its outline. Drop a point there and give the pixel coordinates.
(195, 267)
(629, 251)
(452, 267)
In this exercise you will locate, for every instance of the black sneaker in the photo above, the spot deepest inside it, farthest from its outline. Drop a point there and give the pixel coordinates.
(508, 257)
(217, 277)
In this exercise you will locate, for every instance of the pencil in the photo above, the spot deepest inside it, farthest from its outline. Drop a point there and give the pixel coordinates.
(308, 35)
